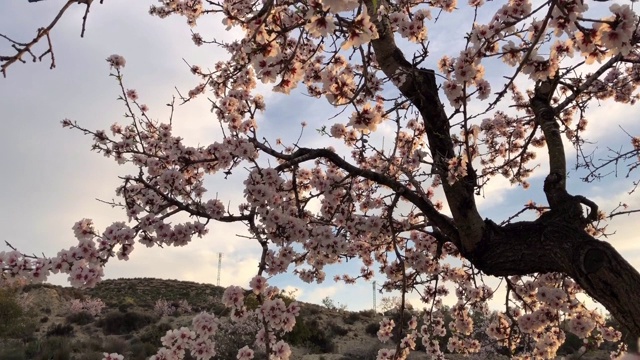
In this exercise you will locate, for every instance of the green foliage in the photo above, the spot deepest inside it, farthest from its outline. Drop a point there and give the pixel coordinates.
(321, 342)
(53, 348)
(352, 318)
(93, 355)
(115, 345)
(15, 323)
(367, 313)
(153, 333)
(337, 329)
(313, 335)
(372, 329)
(12, 352)
(81, 318)
(92, 344)
(117, 323)
(60, 330)
(300, 334)
(218, 309)
(141, 350)
(571, 344)
(251, 301)
(365, 353)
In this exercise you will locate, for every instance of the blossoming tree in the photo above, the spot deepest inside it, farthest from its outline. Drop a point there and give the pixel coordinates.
(405, 210)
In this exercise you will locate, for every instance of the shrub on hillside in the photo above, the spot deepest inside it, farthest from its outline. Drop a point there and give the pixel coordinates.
(60, 330)
(367, 313)
(153, 333)
(12, 352)
(141, 350)
(80, 318)
(118, 323)
(352, 318)
(115, 345)
(14, 322)
(320, 340)
(300, 334)
(337, 329)
(53, 348)
(372, 329)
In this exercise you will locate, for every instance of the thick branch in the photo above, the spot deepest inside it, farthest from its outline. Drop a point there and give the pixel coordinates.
(421, 89)
(555, 186)
(557, 246)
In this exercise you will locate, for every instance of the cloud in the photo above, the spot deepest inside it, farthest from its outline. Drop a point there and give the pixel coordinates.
(318, 293)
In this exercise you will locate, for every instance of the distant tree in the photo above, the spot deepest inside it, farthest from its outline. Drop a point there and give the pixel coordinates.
(460, 113)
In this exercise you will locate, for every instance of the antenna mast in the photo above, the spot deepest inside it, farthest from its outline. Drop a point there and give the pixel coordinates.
(219, 266)
(374, 296)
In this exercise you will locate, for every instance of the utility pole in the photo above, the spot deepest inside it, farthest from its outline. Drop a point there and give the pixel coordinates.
(219, 267)
(374, 296)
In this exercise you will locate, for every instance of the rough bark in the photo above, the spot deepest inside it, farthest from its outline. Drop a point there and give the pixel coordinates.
(557, 241)
(555, 245)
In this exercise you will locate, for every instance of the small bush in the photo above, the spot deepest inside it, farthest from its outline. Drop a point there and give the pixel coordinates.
(367, 313)
(13, 352)
(80, 318)
(92, 344)
(153, 334)
(366, 353)
(126, 304)
(321, 342)
(115, 345)
(300, 333)
(337, 329)
(15, 323)
(141, 350)
(571, 344)
(60, 330)
(372, 329)
(53, 348)
(117, 323)
(352, 318)
(318, 339)
(251, 301)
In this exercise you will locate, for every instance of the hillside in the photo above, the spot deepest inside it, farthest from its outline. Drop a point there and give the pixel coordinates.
(130, 323)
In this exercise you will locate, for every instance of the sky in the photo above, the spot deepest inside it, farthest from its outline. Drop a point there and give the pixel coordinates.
(51, 179)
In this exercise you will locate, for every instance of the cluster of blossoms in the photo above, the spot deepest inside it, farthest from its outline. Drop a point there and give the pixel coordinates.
(92, 306)
(547, 298)
(191, 9)
(411, 28)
